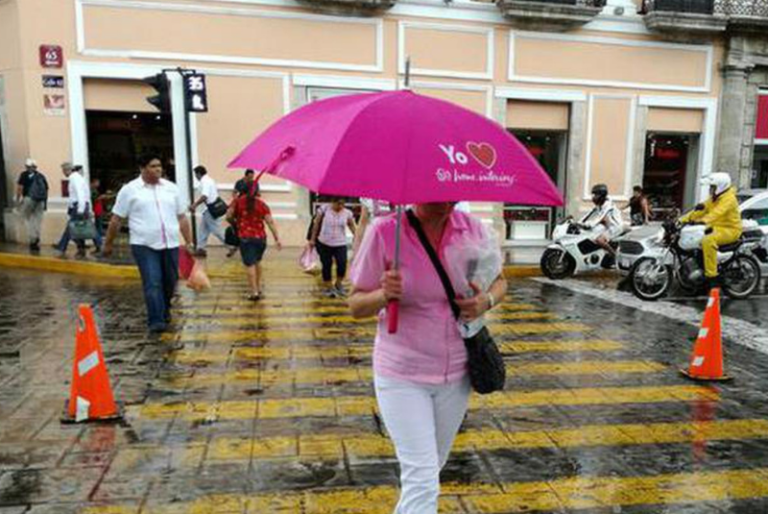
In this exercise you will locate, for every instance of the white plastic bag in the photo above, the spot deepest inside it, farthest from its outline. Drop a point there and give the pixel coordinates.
(478, 261)
(309, 261)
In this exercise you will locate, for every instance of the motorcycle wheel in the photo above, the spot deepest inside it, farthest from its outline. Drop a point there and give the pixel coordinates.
(649, 281)
(741, 276)
(556, 264)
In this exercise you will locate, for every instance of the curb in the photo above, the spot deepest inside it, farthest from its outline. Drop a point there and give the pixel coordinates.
(50, 264)
(521, 271)
(97, 269)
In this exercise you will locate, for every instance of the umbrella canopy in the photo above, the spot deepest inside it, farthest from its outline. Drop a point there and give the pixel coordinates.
(400, 147)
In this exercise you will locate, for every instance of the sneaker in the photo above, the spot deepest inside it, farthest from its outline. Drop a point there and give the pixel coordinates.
(330, 292)
(201, 253)
(96, 251)
(80, 254)
(254, 297)
(340, 291)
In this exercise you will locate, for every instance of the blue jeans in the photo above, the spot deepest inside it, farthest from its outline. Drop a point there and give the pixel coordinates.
(159, 271)
(65, 237)
(209, 226)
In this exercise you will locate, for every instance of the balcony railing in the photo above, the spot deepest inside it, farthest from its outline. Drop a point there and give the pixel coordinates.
(731, 8)
(550, 14)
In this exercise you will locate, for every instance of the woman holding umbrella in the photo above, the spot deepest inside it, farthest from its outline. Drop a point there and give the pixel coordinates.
(421, 381)
(426, 152)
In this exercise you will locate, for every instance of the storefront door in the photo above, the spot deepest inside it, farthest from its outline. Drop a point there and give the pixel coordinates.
(3, 188)
(760, 165)
(669, 176)
(117, 139)
(535, 223)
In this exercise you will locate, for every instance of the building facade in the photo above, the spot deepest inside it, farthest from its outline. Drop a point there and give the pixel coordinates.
(657, 93)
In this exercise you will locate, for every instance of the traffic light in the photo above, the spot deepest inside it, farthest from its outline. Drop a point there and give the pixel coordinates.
(162, 100)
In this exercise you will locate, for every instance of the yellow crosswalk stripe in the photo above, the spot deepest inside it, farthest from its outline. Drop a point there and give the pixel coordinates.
(194, 310)
(277, 299)
(352, 373)
(365, 406)
(223, 320)
(366, 445)
(343, 333)
(359, 351)
(514, 497)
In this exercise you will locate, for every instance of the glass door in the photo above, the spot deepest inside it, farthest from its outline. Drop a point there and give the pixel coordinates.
(531, 222)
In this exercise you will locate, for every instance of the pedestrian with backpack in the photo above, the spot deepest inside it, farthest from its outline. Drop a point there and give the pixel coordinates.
(32, 199)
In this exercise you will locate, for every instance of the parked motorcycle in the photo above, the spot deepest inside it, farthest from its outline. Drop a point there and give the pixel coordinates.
(675, 256)
(573, 251)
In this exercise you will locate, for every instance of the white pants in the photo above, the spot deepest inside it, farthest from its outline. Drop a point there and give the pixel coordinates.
(422, 421)
(208, 227)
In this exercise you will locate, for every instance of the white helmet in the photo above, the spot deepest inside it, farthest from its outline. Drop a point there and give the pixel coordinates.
(721, 181)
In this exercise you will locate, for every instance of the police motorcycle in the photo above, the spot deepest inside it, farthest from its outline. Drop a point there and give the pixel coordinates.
(674, 256)
(574, 251)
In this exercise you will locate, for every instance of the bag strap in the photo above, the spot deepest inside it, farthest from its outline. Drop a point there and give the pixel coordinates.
(449, 291)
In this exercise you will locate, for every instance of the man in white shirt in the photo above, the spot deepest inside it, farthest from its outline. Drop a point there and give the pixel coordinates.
(78, 208)
(156, 216)
(211, 224)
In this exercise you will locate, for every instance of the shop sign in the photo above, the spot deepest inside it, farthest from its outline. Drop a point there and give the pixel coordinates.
(54, 105)
(667, 153)
(51, 56)
(762, 117)
(53, 81)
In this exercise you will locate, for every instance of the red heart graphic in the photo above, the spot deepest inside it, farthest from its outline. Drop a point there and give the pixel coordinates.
(483, 153)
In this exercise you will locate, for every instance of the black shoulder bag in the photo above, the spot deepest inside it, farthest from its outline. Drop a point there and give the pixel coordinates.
(487, 372)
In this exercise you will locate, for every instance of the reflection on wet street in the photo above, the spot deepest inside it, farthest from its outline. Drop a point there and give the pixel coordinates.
(268, 408)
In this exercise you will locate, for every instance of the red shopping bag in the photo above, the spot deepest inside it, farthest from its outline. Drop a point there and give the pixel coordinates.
(186, 263)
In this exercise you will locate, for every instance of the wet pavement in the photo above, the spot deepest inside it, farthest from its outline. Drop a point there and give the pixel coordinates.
(268, 407)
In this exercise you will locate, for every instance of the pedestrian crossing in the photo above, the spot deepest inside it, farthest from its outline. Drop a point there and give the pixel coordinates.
(273, 402)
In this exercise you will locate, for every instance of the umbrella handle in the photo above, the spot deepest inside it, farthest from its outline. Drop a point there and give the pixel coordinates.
(393, 309)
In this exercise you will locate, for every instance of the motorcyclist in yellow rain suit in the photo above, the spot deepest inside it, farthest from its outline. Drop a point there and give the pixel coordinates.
(720, 213)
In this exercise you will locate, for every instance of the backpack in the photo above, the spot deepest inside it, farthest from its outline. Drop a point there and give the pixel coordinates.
(38, 189)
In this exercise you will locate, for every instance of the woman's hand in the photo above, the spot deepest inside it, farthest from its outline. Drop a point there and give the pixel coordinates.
(392, 285)
(475, 306)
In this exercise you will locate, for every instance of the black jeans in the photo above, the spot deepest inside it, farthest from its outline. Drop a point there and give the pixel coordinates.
(327, 255)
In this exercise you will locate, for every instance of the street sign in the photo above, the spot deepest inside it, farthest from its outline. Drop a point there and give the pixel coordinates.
(53, 81)
(54, 105)
(51, 56)
(195, 93)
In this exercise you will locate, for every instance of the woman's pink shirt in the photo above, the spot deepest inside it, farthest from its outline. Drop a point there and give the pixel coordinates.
(427, 347)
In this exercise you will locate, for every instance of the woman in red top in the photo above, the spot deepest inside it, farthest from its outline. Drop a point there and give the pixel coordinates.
(249, 213)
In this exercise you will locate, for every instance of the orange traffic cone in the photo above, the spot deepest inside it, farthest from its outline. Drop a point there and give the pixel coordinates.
(91, 397)
(707, 359)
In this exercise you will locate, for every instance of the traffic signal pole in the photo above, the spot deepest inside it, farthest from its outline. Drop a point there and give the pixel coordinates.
(171, 98)
(190, 173)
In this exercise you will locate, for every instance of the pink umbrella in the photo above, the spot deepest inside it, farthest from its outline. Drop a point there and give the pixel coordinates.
(399, 147)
